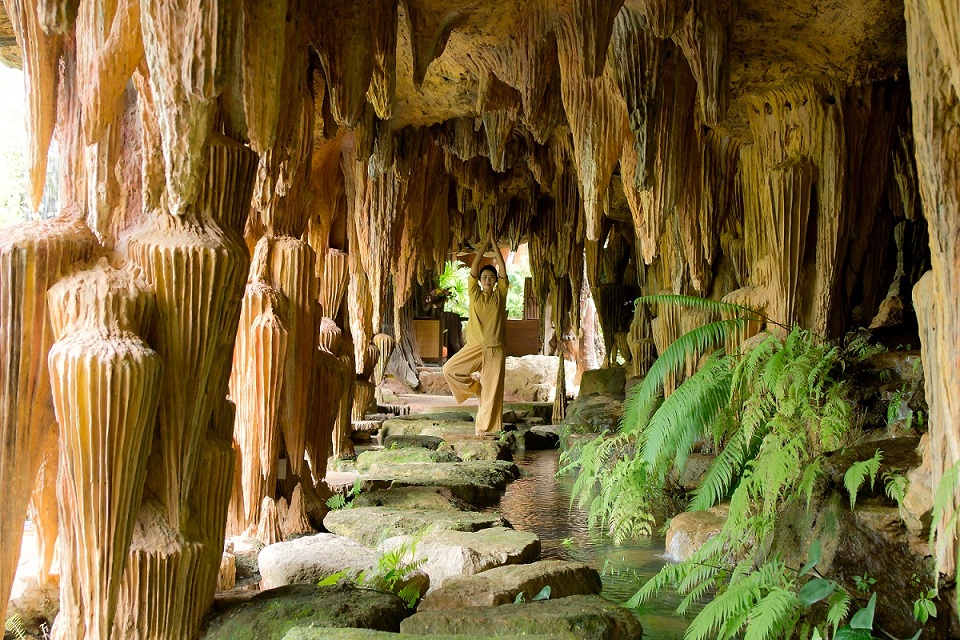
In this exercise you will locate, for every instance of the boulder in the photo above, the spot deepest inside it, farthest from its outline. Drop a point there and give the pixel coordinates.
(423, 498)
(369, 525)
(690, 530)
(571, 618)
(277, 612)
(399, 456)
(694, 470)
(453, 553)
(541, 438)
(418, 441)
(245, 550)
(609, 381)
(328, 633)
(478, 449)
(493, 473)
(593, 414)
(532, 378)
(428, 425)
(311, 558)
(502, 585)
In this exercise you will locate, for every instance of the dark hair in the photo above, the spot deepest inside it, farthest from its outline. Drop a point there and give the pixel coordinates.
(491, 268)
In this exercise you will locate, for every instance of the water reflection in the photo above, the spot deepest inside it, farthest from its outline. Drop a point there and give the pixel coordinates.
(540, 502)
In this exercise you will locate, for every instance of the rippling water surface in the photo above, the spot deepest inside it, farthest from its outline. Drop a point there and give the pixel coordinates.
(540, 502)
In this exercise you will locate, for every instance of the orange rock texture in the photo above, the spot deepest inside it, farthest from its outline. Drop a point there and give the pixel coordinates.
(273, 185)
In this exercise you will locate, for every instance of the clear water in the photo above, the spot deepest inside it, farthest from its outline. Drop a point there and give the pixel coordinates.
(539, 502)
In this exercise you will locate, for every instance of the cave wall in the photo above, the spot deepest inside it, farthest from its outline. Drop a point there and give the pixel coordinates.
(251, 192)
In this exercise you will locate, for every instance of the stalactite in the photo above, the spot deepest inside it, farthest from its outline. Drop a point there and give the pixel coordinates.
(57, 16)
(327, 392)
(342, 427)
(560, 399)
(791, 192)
(333, 282)
(598, 120)
(327, 186)
(673, 127)
(385, 345)
(106, 383)
(359, 303)
(384, 81)
(152, 602)
(290, 270)
(265, 37)
(40, 77)
(256, 385)
(934, 66)
(593, 26)
(704, 38)
(109, 49)
(665, 16)
(345, 44)
(643, 351)
(636, 58)
(687, 213)
(804, 118)
(43, 507)
(498, 104)
(33, 256)
(363, 398)
(613, 302)
(188, 44)
(429, 29)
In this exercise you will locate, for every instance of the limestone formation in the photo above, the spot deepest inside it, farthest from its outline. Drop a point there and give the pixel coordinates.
(290, 177)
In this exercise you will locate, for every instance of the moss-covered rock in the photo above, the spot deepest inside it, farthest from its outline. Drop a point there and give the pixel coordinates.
(502, 585)
(370, 525)
(400, 456)
(274, 613)
(308, 633)
(413, 497)
(573, 618)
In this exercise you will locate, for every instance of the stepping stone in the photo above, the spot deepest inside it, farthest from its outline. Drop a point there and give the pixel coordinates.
(311, 558)
(369, 525)
(308, 633)
(473, 448)
(493, 473)
(571, 618)
(404, 442)
(422, 498)
(446, 554)
(541, 438)
(274, 613)
(502, 585)
(401, 456)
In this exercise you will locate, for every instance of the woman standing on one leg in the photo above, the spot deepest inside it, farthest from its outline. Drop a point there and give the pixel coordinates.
(483, 351)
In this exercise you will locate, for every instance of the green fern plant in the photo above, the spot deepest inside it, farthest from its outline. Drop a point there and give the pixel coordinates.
(14, 625)
(858, 473)
(390, 574)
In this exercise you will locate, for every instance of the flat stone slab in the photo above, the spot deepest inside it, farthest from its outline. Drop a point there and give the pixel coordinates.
(473, 448)
(311, 558)
(571, 618)
(446, 554)
(401, 456)
(502, 585)
(493, 473)
(307, 633)
(276, 612)
(370, 525)
(404, 442)
(413, 497)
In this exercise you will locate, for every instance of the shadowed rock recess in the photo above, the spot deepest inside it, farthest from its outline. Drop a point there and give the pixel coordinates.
(254, 197)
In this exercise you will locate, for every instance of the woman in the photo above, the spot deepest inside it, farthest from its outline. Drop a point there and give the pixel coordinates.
(483, 351)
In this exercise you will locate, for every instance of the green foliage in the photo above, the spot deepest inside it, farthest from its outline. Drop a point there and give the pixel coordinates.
(864, 583)
(858, 473)
(454, 279)
(14, 625)
(543, 594)
(518, 275)
(389, 575)
(340, 501)
(924, 607)
(895, 485)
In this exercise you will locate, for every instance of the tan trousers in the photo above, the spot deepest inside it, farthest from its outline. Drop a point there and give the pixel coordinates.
(491, 363)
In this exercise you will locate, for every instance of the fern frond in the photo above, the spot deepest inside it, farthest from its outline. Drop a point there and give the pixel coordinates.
(858, 472)
(839, 602)
(642, 398)
(701, 304)
(718, 481)
(685, 416)
(811, 473)
(775, 616)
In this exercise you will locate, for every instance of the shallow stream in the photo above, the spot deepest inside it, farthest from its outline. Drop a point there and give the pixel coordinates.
(539, 502)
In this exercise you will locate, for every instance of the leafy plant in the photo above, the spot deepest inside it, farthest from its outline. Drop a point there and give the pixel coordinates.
(390, 575)
(864, 583)
(453, 279)
(340, 501)
(14, 625)
(543, 594)
(858, 473)
(895, 486)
